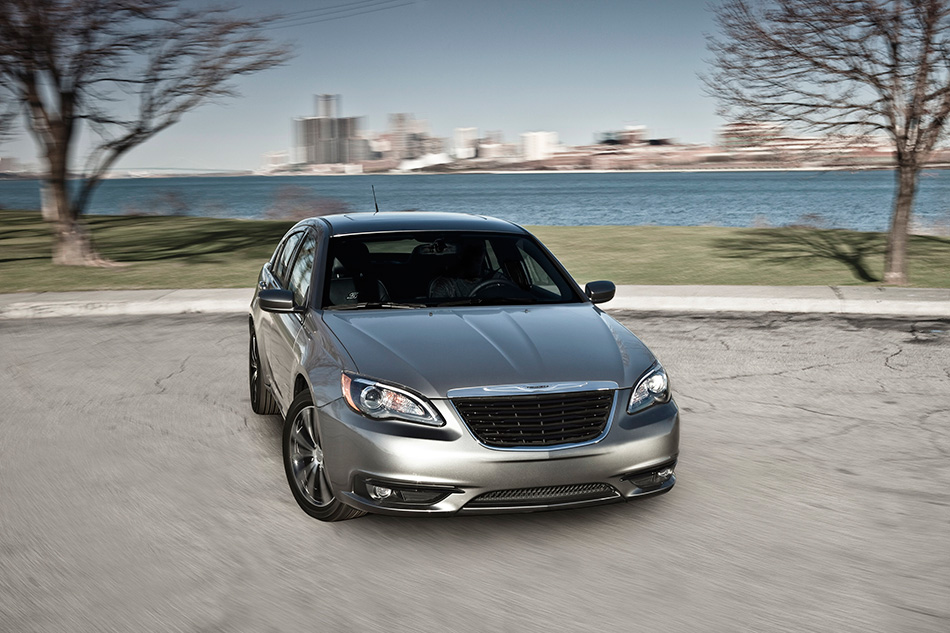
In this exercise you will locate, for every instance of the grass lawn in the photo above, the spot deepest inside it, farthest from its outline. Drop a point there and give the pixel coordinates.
(159, 252)
(182, 252)
(715, 255)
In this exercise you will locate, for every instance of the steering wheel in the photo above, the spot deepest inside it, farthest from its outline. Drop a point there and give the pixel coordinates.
(494, 283)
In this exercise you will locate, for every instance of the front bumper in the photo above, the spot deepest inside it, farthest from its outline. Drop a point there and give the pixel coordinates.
(360, 453)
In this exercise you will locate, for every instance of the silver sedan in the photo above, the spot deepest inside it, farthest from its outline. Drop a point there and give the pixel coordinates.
(429, 363)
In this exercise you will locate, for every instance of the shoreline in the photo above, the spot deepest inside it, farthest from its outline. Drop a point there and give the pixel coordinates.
(506, 172)
(679, 170)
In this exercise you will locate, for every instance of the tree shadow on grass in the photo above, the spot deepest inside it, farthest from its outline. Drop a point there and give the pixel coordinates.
(24, 236)
(794, 244)
(184, 239)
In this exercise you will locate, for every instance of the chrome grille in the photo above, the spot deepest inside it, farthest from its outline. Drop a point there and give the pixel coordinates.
(537, 420)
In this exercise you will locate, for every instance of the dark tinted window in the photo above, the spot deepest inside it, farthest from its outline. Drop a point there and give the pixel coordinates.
(279, 268)
(300, 274)
(436, 268)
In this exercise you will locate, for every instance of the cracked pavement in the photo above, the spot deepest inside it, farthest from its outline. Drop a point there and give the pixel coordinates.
(139, 493)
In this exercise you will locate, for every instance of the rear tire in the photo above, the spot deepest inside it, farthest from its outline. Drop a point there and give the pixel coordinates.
(304, 464)
(262, 400)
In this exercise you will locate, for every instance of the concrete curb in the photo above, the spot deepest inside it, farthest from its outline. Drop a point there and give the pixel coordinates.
(894, 302)
(123, 302)
(909, 302)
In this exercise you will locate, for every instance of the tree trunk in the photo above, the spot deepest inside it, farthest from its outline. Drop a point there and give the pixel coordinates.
(72, 244)
(895, 258)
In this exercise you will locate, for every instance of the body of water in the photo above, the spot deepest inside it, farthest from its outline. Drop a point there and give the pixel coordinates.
(860, 200)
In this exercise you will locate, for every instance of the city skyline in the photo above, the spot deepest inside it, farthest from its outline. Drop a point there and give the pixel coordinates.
(577, 69)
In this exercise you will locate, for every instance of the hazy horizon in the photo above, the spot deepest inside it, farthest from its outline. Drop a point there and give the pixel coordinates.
(577, 69)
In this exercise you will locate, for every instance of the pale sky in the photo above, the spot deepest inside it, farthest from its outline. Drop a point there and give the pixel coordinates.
(575, 67)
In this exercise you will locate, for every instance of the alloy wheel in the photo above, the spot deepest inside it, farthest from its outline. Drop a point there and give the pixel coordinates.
(254, 372)
(306, 456)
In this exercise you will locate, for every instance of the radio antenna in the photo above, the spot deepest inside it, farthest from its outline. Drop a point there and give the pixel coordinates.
(374, 199)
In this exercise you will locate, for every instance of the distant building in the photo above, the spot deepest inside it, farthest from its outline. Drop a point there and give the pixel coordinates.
(538, 145)
(272, 161)
(492, 148)
(632, 134)
(328, 138)
(629, 135)
(493, 136)
(491, 151)
(399, 136)
(409, 137)
(466, 142)
(406, 135)
(380, 146)
(434, 145)
(749, 134)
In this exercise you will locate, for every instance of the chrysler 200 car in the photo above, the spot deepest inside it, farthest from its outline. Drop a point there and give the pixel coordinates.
(430, 363)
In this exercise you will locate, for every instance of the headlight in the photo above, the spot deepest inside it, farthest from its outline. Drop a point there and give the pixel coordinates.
(378, 400)
(653, 388)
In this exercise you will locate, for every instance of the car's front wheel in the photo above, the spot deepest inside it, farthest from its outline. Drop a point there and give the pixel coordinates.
(305, 466)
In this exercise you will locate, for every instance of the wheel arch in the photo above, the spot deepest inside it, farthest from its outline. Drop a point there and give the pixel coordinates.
(301, 384)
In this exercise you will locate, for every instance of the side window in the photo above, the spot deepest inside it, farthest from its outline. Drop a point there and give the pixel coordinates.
(301, 273)
(283, 259)
(540, 270)
(536, 275)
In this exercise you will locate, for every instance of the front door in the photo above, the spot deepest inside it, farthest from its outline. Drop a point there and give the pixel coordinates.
(283, 346)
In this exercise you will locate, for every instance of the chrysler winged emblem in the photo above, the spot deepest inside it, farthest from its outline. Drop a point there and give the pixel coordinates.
(561, 386)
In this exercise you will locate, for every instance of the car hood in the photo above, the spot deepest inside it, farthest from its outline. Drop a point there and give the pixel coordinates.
(433, 351)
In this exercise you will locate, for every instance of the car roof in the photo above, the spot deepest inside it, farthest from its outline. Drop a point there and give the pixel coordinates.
(367, 222)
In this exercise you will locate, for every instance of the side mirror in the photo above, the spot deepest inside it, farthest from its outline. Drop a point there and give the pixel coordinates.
(276, 300)
(600, 291)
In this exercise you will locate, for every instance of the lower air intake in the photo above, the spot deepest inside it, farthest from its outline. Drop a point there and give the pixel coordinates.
(544, 496)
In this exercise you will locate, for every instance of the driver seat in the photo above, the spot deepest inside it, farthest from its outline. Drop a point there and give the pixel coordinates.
(464, 276)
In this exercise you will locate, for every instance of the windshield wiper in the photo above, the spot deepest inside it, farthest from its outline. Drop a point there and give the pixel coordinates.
(373, 305)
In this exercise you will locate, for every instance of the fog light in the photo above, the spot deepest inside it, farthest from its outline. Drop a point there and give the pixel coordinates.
(392, 494)
(652, 479)
(379, 493)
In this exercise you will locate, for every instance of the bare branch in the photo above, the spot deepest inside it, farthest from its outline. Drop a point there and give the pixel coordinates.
(841, 66)
(127, 69)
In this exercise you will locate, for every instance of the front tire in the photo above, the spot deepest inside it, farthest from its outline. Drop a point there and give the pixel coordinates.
(304, 464)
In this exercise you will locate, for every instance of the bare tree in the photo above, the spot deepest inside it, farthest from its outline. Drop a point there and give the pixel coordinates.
(842, 66)
(8, 116)
(122, 69)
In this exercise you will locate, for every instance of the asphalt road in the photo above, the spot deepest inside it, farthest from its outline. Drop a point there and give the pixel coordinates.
(139, 493)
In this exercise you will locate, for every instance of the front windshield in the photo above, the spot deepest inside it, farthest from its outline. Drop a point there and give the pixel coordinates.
(441, 268)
